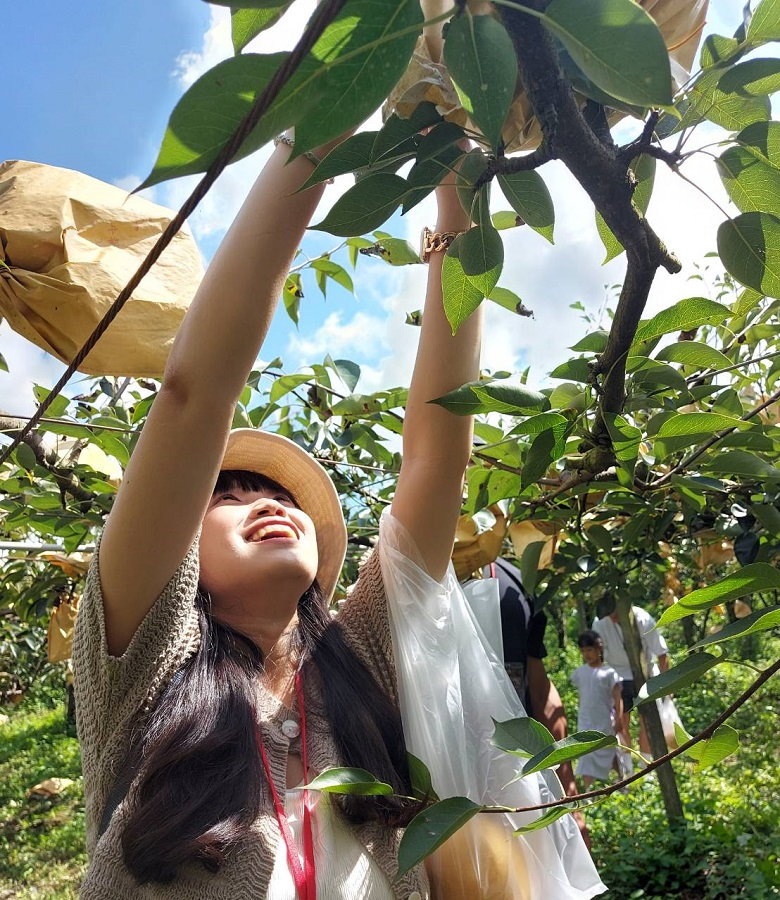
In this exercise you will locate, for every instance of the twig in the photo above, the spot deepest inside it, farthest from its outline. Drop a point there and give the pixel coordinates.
(651, 766)
(683, 464)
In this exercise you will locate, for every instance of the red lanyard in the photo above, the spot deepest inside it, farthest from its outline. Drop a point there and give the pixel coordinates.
(304, 876)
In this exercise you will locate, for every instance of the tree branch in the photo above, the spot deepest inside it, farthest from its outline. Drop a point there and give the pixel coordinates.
(652, 766)
(683, 464)
(604, 174)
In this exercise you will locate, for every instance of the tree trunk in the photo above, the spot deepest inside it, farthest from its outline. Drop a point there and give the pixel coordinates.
(650, 715)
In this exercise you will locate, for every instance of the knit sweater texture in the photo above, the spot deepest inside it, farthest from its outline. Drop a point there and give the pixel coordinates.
(114, 694)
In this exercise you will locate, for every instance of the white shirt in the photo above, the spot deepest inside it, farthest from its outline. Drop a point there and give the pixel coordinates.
(653, 643)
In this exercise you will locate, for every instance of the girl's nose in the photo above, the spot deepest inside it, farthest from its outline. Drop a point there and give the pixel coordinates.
(268, 506)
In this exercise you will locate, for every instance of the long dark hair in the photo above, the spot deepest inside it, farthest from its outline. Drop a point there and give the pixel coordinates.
(200, 786)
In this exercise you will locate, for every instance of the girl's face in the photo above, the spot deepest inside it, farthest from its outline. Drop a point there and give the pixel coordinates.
(255, 541)
(591, 655)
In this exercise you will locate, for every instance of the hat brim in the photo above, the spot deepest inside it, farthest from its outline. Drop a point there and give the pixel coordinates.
(283, 461)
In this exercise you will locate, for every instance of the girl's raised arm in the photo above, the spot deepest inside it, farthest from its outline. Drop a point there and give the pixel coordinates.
(437, 443)
(170, 477)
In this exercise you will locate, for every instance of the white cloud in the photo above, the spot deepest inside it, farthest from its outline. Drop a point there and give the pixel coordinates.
(334, 336)
(27, 365)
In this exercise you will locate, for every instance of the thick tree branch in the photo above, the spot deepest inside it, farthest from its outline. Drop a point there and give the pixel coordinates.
(604, 173)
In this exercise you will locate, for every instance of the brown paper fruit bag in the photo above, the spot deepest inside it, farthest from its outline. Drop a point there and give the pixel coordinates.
(68, 245)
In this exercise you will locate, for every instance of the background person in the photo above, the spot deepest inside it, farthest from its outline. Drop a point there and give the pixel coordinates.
(600, 707)
(655, 654)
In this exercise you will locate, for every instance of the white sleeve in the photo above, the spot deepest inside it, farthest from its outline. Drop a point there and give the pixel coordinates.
(652, 638)
(451, 688)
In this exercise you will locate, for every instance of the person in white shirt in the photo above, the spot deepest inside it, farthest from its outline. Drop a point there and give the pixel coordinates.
(655, 656)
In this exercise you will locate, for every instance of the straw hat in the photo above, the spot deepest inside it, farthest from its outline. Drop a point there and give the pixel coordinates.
(283, 461)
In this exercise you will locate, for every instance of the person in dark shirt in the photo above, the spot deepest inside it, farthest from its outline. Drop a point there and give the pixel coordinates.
(522, 632)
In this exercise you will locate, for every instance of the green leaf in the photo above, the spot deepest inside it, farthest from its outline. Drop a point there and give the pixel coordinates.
(682, 316)
(365, 206)
(750, 579)
(436, 158)
(213, 107)
(246, 24)
(431, 828)
(506, 218)
(765, 24)
(649, 371)
(741, 464)
(625, 442)
(529, 561)
(471, 168)
(529, 197)
(340, 780)
(752, 184)
(25, 457)
(513, 399)
(694, 353)
(366, 37)
(348, 371)
(548, 817)
(398, 136)
(420, 777)
(569, 396)
(698, 424)
(348, 156)
(717, 49)
(282, 386)
(461, 296)
(761, 620)
(617, 45)
(762, 139)
(643, 168)
(481, 60)
(731, 111)
(678, 677)
(395, 252)
(601, 537)
(333, 270)
(537, 424)
(573, 370)
(522, 737)
(595, 342)
(547, 447)
(723, 743)
(481, 254)
(572, 747)
(508, 300)
(3, 364)
(749, 247)
(754, 77)
(292, 295)
(484, 397)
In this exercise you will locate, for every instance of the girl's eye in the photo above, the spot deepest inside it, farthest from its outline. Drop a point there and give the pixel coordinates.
(227, 497)
(284, 498)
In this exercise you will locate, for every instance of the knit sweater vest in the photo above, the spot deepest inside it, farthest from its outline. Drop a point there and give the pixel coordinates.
(114, 694)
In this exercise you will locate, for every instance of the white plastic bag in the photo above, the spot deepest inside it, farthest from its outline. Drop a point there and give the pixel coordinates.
(452, 687)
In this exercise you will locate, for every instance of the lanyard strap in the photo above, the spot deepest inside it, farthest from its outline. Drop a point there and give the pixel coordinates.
(303, 876)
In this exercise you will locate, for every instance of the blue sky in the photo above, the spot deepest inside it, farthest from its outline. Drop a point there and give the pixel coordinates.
(92, 86)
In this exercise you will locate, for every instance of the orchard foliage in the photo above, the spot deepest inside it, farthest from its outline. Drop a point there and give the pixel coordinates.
(656, 440)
